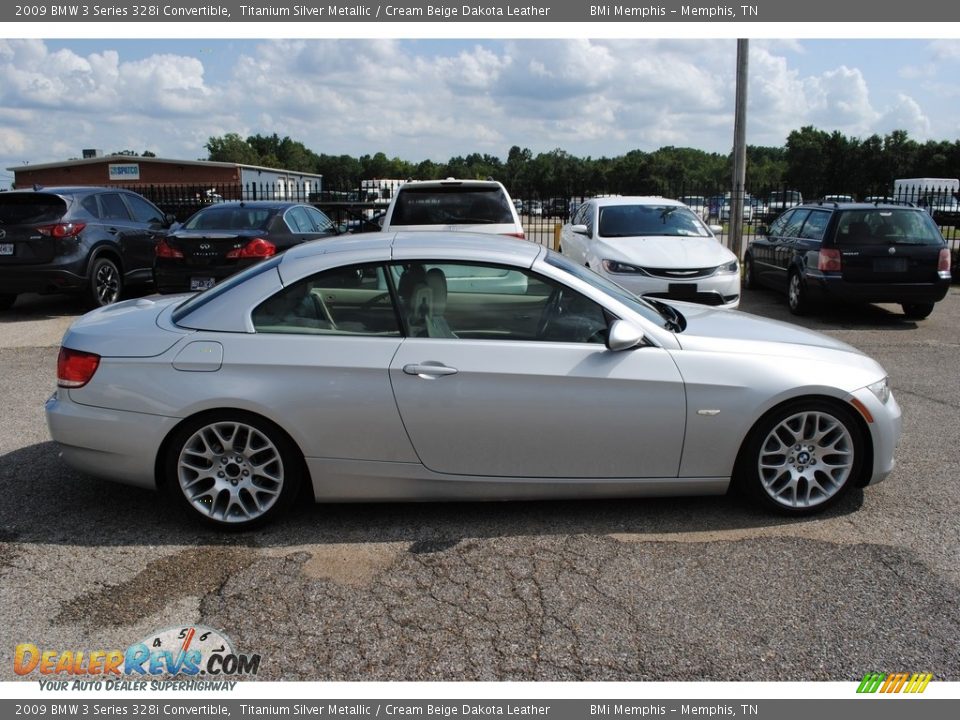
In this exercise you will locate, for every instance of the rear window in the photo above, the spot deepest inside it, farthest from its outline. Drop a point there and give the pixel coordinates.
(451, 206)
(199, 300)
(230, 218)
(17, 208)
(664, 220)
(884, 226)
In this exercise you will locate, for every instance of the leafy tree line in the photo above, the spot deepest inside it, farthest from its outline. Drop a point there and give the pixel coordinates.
(813, 161)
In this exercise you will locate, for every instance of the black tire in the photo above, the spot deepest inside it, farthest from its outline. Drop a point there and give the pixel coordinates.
(105, 283)
(797, 299)
(749, 280)
(917, 311)
(821, 474)
(7, 300)
(257, 482)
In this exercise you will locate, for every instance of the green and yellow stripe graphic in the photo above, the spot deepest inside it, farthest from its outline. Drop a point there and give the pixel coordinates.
(894, 682)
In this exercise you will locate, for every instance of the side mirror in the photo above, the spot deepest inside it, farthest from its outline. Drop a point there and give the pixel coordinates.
(715, 229)
(169, 219)
(580, 229)
(623, 335)
(762, 230)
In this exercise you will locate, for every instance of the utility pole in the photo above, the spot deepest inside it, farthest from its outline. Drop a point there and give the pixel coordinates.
(739, 151)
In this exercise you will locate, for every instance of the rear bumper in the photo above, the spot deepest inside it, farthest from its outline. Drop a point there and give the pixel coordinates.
(834, 287)
(32, 278)
(174, 277)
(110, 444)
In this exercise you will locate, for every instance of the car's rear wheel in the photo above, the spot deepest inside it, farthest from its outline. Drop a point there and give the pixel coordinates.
(802, 457)
(917, 311)
(7, 300)
(797, 299)
(749, 281)
(106, 282)
(233, 469)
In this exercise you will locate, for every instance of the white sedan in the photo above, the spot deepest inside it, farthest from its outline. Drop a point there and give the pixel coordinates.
(653, 247)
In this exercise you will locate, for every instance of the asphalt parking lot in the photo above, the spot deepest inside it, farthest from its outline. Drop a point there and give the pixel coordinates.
(673, 589)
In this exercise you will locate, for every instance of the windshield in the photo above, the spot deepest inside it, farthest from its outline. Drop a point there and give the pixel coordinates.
(882, 226)
(451, 206)
(232, 217)
(662, 315)
(659, 220)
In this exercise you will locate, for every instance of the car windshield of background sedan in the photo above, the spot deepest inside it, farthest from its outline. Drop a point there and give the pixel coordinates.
(230, 218)
(451, 206)
(646, 220)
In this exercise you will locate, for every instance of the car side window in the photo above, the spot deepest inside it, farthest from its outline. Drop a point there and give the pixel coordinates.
(792, 228)
(113, 207)
(298, 221)
(492, 302)
(353, 300)
(144, 211)
(815, 225)
(90, 205)
(320, 221)
(777, 226)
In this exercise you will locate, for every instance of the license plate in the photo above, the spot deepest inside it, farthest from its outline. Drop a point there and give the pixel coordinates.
(6, 248)
(890, 264)
(201, 283)
(682, 290)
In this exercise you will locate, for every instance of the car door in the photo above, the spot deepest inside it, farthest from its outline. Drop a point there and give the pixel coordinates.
(149, 222)
(575, 244)
(762, 250)
(130, 236)
(784, 247)
(520, 384)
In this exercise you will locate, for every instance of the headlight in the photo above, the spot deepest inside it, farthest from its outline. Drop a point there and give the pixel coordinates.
(612, 266)
(881, 389)
(729, 269)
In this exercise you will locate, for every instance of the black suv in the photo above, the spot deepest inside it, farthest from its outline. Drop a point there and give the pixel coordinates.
(93, 240)
(852, 252)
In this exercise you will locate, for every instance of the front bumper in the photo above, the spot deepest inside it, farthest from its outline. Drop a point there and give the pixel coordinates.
(722, 291)
(111, 444)
(884, 432)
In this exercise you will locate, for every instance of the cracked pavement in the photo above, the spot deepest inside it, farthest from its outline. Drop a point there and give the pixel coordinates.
(671, 589)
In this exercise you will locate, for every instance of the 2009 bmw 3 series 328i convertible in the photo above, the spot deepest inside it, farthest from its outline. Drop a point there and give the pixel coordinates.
(448, 366)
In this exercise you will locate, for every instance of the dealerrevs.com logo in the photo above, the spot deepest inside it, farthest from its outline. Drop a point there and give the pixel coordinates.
(894, 683)
(193, 650)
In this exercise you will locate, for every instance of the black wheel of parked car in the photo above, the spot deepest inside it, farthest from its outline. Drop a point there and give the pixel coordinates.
(106, 282)
(749, 281)
(797, 295)
(7, 300)
(232, 469)
(802, 457)
(917, 311)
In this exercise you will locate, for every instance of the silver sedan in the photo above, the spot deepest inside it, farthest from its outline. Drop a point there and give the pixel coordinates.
(448, 366)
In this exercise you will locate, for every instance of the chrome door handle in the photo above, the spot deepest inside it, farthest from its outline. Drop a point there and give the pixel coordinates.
(428, 370)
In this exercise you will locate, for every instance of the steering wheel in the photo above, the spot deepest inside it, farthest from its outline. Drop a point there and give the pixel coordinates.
(550, 311)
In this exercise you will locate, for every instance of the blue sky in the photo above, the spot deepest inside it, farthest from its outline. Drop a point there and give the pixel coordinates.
(433, 99)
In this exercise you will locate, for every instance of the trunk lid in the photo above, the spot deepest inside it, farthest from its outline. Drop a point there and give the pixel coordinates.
(126, 329)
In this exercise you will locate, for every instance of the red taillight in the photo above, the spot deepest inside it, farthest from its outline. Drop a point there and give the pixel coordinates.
(516, 235)
(256, 248)
(943, 263)
(163, 250)
(61, 230)
(829, 261)
(75, 368)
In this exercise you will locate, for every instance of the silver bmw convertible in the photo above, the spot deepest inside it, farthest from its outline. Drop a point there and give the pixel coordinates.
(449, 366)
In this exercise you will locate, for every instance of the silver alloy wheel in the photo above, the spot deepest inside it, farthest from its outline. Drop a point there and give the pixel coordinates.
(794, 292)
(107, 283)
(806, 459)
(230, 471)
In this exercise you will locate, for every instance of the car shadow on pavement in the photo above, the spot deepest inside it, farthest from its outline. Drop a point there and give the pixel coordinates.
(47, 503)
(836, 316)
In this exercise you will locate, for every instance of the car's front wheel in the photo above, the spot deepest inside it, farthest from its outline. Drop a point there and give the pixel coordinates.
(917, 311)
(749, 280)
(802, 457)
(232, 469)
(797, 295)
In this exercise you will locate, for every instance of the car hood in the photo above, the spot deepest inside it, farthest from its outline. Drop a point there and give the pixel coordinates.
(717, 330)
(126, 329)
(665, 252)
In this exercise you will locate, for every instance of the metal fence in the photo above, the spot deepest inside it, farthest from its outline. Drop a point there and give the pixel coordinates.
(542, 215)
